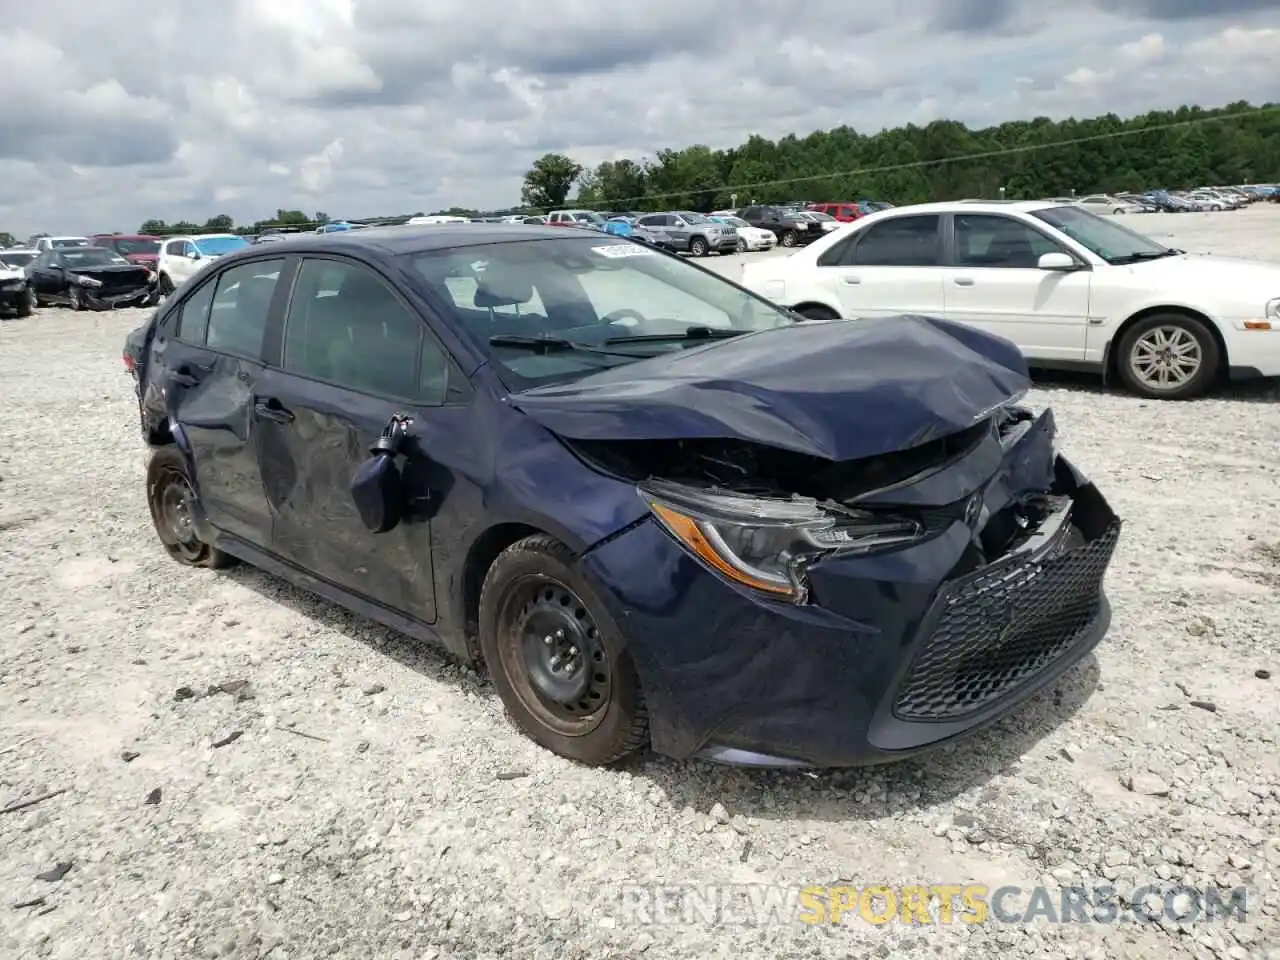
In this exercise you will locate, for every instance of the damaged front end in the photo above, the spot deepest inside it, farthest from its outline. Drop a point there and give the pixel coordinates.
(763, 517)
(887, 603)
(109, 291)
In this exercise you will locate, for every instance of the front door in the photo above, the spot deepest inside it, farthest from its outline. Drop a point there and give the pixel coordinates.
(996, 286)
(207, 359)
(353, 355)
(892, 268)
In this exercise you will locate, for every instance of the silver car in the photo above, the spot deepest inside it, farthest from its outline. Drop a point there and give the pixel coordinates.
(693, 232)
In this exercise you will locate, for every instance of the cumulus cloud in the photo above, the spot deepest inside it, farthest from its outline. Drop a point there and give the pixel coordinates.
(365, 107)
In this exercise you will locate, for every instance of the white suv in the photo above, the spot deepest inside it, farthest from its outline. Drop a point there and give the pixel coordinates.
(181, 258)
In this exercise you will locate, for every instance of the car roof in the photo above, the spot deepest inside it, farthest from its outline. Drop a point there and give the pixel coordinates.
(971, 206)
(123, 236)
(426, 238)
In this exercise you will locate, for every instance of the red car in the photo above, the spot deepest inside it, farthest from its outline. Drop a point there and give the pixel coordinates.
(134, 247)
(844, 212)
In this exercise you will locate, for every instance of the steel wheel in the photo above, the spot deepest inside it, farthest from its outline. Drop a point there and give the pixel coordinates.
(1166, 358)
(554, 656)
(557, 658)
(173, 504)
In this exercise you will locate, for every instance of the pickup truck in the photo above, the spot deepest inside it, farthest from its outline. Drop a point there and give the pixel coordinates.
(791, 229)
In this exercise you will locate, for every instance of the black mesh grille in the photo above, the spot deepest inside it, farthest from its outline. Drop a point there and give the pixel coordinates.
(1000, 626)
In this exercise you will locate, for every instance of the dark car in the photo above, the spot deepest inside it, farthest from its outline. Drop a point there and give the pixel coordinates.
(788, 226)
(659, 509)
(88, 278)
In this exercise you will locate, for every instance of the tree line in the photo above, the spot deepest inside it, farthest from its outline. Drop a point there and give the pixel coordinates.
(943, 160)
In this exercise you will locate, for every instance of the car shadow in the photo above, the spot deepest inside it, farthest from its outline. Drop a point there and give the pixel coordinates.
(1265, 391)
(867, 793)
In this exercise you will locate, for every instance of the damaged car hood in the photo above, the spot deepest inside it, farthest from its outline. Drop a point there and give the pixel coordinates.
(100, 271)
(841, 390)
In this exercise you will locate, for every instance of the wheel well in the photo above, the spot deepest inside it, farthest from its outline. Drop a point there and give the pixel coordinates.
(1113, 354)
(799, 307)
(480, 558)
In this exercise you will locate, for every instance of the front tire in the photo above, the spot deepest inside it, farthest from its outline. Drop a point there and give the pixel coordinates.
(698, 247)
(26, 304)
(789, 238)
(171, 497)
(742, 246)
(74, 299)
(1168, 357)
(557, 658)
(164, 288)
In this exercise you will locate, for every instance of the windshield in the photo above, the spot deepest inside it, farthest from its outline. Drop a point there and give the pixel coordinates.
(63, 242)
(585, 293)
(1106, 238)
(735, 221)
(820, 216)
(17, 259)
(91, 257)
(217, 246)
(131, 247)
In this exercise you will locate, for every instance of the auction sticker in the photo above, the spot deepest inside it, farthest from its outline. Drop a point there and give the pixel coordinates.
(619, 250)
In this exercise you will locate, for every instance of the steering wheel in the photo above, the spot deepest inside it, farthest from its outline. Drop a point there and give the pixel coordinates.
(626, 313)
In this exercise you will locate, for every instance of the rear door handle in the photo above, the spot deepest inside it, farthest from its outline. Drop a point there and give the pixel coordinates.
(852, 281)
(963, 281)
(272, 410)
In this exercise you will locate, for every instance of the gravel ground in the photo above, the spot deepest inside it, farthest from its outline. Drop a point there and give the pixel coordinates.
(377, 804)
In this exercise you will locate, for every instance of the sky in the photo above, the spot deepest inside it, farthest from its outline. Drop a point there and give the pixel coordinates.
(114, 113)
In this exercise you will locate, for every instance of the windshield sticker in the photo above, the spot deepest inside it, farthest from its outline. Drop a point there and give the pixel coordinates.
(616, 250)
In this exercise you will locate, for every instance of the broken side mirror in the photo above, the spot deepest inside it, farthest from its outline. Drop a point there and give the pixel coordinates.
(378, 487)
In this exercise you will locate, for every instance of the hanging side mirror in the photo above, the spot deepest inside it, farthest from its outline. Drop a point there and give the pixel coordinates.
(378, 487)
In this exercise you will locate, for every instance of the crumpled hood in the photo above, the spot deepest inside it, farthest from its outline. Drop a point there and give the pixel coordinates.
(841, 390)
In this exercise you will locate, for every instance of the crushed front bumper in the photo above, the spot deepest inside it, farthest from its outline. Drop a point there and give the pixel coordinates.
(112, 299)
(896, 653)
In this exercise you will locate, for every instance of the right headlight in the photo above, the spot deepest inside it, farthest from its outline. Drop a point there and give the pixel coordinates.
(767, 544)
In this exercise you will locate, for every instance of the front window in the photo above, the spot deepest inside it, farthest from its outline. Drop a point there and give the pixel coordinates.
(1105, 238)
(217, 246)
(91, 257)
(554, 310)
(133, 247)
(691, 217)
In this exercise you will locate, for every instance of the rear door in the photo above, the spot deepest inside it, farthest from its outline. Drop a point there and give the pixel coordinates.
(891, 268)
(352, 353)
(206, 362)
(996, 285)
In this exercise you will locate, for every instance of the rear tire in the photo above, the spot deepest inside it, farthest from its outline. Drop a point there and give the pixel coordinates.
(556, 657)
(74, 300)
(171, 497)
(26, 305)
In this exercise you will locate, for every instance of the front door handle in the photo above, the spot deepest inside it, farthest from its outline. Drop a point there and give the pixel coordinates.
(963, 281)
(852, 281)
(271, 409)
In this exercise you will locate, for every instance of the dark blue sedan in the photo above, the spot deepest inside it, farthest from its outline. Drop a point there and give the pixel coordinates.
(661, 510)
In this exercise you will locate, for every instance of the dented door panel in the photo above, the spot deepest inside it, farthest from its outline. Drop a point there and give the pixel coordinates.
(209, 396)
(310, 442)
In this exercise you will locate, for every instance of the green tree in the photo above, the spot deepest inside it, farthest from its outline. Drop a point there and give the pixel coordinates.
(549, 180)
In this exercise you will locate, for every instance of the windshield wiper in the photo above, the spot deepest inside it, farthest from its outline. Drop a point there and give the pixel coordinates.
(1139, 257)
(550, 345)
(692, 333)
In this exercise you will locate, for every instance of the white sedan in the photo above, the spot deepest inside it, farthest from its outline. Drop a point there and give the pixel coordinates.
(1070, 288)
(1105, 203)
(749, 237)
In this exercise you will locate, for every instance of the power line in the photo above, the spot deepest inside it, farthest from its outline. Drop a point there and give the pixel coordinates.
(983, 155)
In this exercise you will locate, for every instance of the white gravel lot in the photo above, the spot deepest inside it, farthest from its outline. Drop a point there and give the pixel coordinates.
(377, 804)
